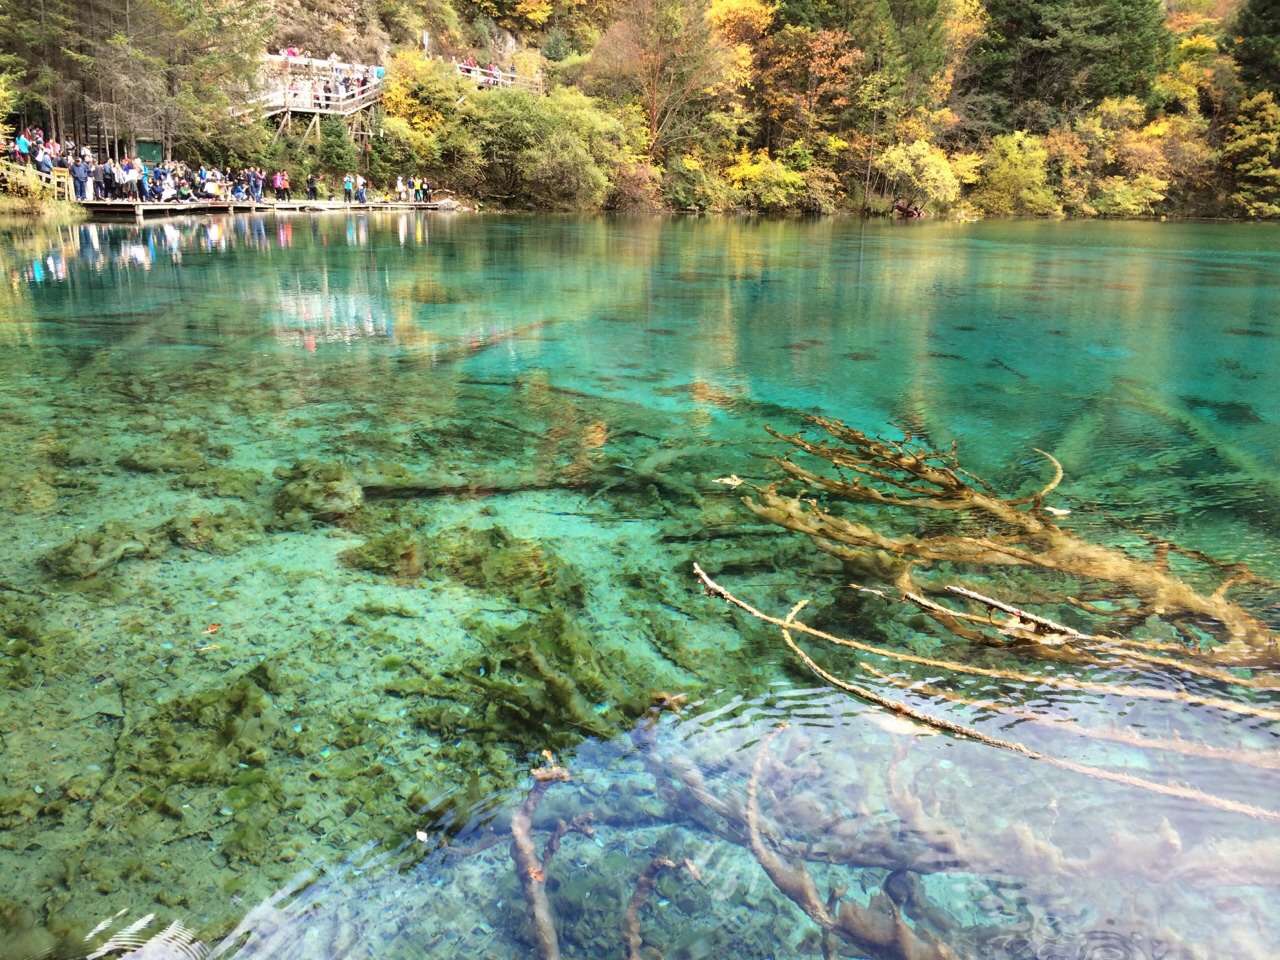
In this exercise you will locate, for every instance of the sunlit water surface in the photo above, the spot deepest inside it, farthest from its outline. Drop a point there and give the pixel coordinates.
(242, 735)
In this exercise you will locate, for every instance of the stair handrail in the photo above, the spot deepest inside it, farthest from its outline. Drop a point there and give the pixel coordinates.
(58, 180)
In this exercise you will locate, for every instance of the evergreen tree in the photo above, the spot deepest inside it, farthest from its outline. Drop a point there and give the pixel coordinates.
(35, 40)
(337, 150)
(166, 69)
(1252, 152)
(1257, 48)
(1043, 60)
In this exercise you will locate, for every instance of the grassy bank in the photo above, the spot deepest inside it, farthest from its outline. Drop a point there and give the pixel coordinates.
(42, 209)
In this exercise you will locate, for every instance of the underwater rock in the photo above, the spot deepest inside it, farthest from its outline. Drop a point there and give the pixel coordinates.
(179, 452)
(541, 684)
(397, 553)
(18, 807)
(224, 482)
(315, 491)
(21, 933)
(73, 454)
(222, 736)
(206, 736)
(88, 554)
(223, 532)
(526, 572)
(29, 646)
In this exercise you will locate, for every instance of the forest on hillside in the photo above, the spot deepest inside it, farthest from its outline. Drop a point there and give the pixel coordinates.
(938, 107)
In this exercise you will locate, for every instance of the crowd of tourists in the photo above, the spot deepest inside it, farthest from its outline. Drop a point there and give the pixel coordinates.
(490, 76)
(321, 84)
(133, 179)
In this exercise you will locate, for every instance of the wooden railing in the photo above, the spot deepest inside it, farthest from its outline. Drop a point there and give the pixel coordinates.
(301, 98)
(297, 84)
(21, 179)
(497, 77)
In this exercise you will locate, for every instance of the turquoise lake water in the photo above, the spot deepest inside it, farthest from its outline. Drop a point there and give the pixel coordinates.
(320, 531)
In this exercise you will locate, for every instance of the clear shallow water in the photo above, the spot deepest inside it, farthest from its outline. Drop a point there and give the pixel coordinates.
(237, 720)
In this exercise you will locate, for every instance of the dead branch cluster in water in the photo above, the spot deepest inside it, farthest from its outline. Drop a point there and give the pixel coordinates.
(1111, 590)
(878, 928)
(968, 527)
(961, 527)
(965, 528)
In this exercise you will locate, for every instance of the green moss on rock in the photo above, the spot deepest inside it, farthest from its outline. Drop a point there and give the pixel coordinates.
(224, 482)
(397, 553)
(223, 532)
(315, 491)
(182, 451)
(88, 554)
(494, 560)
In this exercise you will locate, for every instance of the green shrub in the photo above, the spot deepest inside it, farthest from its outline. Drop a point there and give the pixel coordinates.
(1015, 177)
(688, 184)
(765, 184)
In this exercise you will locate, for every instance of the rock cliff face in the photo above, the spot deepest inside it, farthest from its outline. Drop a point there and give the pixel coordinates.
(352, 29)
(364, 31)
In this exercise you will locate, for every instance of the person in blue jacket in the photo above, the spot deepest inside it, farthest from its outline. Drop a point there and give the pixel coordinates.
(79, 178)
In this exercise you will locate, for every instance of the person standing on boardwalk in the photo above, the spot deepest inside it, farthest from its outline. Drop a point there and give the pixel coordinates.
(284, 184)
(80, 177)
(348, 183)
(313, 192)
(361, 196)
(99, 181)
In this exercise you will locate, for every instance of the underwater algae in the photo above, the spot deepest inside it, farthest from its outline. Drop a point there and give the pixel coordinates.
(267, 738)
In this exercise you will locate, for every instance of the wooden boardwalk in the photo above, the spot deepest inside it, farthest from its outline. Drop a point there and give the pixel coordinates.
(128, 211)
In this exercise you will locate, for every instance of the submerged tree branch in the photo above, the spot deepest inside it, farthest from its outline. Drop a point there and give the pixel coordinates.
(531, 870)
(994, 531)
(876, 928)
(949, 726)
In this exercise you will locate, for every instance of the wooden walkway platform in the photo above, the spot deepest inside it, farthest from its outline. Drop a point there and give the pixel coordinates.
(128, 211)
